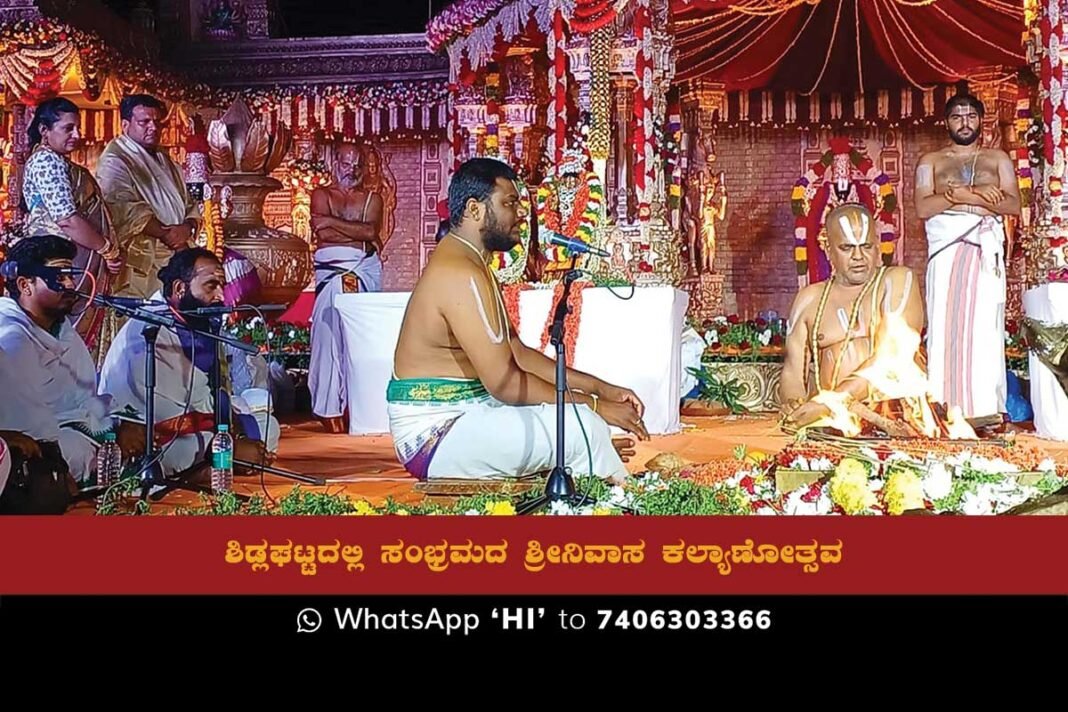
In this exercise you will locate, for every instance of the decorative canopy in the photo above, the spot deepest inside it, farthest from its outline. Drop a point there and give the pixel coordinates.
(845, 45)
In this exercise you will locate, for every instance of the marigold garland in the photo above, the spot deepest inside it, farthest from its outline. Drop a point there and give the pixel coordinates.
(580, 225)
(808, 186)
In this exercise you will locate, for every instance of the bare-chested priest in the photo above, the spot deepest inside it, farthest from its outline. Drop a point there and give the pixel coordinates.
(467, 398)
(963, 192)
(346, 220)
(855, 336)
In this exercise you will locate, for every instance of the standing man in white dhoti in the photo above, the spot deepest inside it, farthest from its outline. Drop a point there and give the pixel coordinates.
(151, 210)
(185, 398)
(468, 399)
(963, 192)
(346, 221)
(47, 376)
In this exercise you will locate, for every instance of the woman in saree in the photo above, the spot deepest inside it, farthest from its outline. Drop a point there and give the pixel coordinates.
(62, 198)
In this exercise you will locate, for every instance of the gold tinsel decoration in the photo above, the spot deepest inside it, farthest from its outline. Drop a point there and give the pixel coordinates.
(600, 92)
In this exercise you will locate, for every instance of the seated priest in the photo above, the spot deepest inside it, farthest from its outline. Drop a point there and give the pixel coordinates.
(467, 398)
(185, 360)
(853, 342)
(48, 396)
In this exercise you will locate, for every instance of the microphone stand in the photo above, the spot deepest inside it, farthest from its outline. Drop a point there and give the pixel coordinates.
(222, 414)
(151, 470)
(560, 485)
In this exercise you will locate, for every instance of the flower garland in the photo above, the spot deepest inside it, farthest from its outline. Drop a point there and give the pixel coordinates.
(592, 15)
(812, 190)
(431, 92)
(667, 141)
(1054, 108)
(1024, 174)
(511, 293)
(600, 138)
(745, 485)
(33, 38)
(306, 174)
(95, 56)
(510, 266)
(580, 225)
(571, 322)
(458, 19)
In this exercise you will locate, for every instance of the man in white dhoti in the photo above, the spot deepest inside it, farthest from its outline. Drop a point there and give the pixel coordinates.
(346, 220)
(468, 399)
(47, 376)
(151, 210)
(185, 398)
(963, 192)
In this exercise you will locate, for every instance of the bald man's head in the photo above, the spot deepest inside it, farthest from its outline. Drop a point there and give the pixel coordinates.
(349, 164)
(852, 244)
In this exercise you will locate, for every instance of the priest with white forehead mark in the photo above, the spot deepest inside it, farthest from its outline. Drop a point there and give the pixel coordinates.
(843, 332)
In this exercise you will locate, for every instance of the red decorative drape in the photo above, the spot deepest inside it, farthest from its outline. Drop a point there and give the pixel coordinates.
(846, 45)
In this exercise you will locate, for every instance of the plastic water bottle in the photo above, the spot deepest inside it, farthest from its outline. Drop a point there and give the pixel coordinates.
(108, 461)
(222, 461)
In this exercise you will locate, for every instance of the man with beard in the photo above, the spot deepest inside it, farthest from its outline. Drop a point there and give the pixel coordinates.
(963, 192)
(467, 398)
(185, 398)
(48, 388)
(346, 221)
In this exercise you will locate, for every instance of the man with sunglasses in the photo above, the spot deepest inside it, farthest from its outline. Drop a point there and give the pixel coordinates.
(48, 388)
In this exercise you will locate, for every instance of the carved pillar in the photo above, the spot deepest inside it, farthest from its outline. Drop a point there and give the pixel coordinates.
(517, 112)
(710, 295)
(19, 153)
(578, 56)
(623, 153)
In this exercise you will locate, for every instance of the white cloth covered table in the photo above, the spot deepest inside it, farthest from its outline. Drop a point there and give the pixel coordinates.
(634, 343)
(1047, 303)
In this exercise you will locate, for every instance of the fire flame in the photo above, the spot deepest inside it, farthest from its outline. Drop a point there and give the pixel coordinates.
(899, 391)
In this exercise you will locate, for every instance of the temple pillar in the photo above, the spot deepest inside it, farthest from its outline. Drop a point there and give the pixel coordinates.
(623, 154)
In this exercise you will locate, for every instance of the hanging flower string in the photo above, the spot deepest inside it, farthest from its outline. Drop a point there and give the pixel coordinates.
(571, 322)
(806, 196)
(579, 224)
(1024, 175)
(511, 293)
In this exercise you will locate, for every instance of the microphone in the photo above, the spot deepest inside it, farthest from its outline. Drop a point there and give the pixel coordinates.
(576, 246)
(224, 309)
(128, 302)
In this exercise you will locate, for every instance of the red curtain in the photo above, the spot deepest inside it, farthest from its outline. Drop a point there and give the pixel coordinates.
(846, 45)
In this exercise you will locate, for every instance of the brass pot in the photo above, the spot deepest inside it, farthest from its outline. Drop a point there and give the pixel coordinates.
(283, 260)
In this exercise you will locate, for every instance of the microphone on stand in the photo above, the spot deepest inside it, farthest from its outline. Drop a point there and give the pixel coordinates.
(576, 246)
(128, 302)
(224, 309)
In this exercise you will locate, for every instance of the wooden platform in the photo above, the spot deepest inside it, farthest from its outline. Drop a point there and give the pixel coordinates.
(366, 466)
